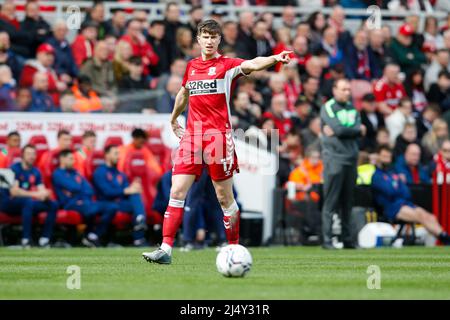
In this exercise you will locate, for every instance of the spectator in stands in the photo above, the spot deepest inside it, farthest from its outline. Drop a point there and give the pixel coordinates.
(35, 24)
(276, 85)
(196, 15)
(244, 114)
(313, 67)
(138, 143)
(366, 66)
(43, 63)
(329, 43)
(116, 24)
(134, 79)
(183, 39)
(287, 18)
(290, 154)
(408, 136)
(166, 102)
(396, 121)
(310, 135)
(336, 21)
(23, 98)
(392, 194)
(12, 142)
(20, 39)
(307, 174)
(381, 51)
(75, 193)
(415, 90)
(28, 197)
(8, 57)
(372, 120)
(277, 113)
(111, 185)
(88, 143)
(64, 65)
(121, 61)
(139, 45)
(405, 52)
(257, 45)
(432, 140)
(177, 68)
(440, 62)
(284, 43)
(431, 33)
(302, 113)
(7, 93)
(440, 91)
(382, 137)
(292, 86)
(84, 43)
(409, 168)
(389, 90)
(301, 52)
(442, 159)
(317, 24)
(172, 23)
(49, 160)
(96, 14)
(41, 100)
(100, 70)
(425, 120)
(85, 97)
(155, 37)
(246, 23)
(311, 92)
(230, 36)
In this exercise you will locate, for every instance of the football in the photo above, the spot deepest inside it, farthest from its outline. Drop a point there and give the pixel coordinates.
(234, 260)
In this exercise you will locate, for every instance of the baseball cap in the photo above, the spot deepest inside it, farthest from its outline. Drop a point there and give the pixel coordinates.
(45, 47)
(406, 30)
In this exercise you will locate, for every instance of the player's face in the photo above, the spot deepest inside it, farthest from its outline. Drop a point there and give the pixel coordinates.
(68, 161)
(113, 156)
(29, 156)
(208, 43)
(385, 158)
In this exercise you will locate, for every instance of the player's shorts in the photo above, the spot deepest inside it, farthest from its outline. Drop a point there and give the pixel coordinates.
(393, 210)
(216, 151)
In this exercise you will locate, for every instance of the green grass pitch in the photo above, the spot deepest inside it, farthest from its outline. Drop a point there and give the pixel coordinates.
(277, 273)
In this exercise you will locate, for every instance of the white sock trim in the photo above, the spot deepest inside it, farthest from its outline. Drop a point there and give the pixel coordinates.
(166, 248)
(176, 203)
(231, 210)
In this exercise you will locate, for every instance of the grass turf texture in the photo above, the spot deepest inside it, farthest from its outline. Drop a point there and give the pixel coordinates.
(277, 273)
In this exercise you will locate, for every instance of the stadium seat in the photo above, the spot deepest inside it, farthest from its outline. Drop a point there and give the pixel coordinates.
(41, 144)
(50, 165)
(7, 220)
(118, 141)
(63, 217)
(77, 142)
(14, 156)
(162, 153)
(359, 88)
(95, 159)
(122, 220)
(2, 142)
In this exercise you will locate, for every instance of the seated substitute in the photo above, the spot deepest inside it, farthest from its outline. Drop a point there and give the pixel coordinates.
(394, 196)
(29, 196)
(75, 193)
(112, 185)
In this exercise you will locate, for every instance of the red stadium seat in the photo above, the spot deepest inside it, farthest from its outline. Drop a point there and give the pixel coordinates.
(77, 142)
(359, 88)
(63, 217)
(2, 142)
(95, 159)
(122, 220)
(118, 141)
(41, 144)
(9, 219)
(162, 153)
(14, 156)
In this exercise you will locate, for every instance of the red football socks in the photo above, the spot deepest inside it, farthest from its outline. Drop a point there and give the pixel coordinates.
(172, 220)
(231, 217)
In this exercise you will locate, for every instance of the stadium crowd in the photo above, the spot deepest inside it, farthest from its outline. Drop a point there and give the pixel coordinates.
(400, 81)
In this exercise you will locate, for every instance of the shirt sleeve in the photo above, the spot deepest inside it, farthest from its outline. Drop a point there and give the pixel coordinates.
(233, 63)
(379, 92)
(186, 74)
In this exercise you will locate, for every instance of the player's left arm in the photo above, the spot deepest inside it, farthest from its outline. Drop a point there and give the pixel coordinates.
(261, 63)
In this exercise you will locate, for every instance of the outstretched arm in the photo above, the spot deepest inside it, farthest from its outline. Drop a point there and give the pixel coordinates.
(181, 101)
(261, 63)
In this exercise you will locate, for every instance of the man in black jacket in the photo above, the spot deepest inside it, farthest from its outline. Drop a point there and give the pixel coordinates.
(372, 120)
(35, 25)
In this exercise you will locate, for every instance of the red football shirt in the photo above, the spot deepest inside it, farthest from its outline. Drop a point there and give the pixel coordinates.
(210, 84)
(389, 93)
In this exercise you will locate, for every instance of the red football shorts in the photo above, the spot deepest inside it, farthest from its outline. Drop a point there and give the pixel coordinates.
(215, 151)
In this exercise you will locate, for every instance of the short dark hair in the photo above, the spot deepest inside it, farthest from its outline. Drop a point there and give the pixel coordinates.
(403, 101)
(170, 4)
(155, 22)
(109, 147)
(384, 147)
(433, 107)
(209, 26)
(335, 82)
(88, 134)
(138, 133)
(12, 134)
(301, 101)
(62, 133)
(64, 153)
(368, 97)
(444, 73)
(28, 146)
